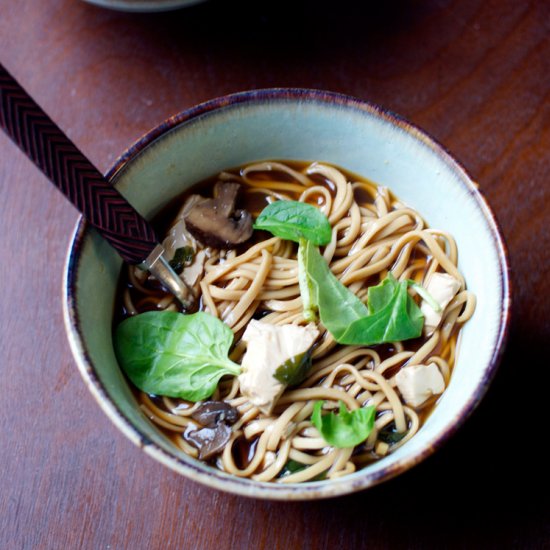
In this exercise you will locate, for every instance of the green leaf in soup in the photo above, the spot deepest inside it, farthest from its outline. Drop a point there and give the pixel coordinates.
(379, 296)
(346, 429)
(307, 292)
(338, 306)
(399, 319)
(425, 295)
(294, 370)
(389, 435)
(293, 220)
(293, 467)
(183, 256)
(176, 355)
(392, 315)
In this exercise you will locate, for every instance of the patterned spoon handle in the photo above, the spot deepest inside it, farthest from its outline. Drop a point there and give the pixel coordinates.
(76, 177)
(72, 173)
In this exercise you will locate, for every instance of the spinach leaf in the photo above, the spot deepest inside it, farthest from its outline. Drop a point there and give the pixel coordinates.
(168, 353)
(182, 257)
(293, 466)
(379, 296)
(294, 370)
(425, 295)
(293, 220)
(388, 434)
(347, 429)
(309, 297)
(338, 306)
(392, 315)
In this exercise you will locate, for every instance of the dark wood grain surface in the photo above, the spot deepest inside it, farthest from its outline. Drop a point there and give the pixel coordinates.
(474, 73)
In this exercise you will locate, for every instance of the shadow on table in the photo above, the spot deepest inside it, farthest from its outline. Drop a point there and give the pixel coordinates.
(219, 20)
(490, 482)
(275, 27)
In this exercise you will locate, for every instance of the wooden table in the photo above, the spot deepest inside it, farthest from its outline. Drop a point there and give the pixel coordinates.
(473, 73)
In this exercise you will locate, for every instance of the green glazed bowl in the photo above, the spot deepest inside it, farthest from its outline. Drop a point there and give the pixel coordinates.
(302, 125)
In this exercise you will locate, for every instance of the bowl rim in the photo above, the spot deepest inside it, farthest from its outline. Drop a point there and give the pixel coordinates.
(144, 6)
(246, 487)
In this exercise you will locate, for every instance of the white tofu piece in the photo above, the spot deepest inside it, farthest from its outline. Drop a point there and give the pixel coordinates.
(178, 237)
(269, 347)
(192, 273)
(418, 383)
(443, 288)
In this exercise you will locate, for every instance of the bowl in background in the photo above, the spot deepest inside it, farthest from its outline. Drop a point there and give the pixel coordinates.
(293, 124)
(144, 5)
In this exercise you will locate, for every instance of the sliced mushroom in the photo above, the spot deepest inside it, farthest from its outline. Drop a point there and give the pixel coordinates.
(215, 222)
(215, 417)
(210, 441)
(225, 195)
(211, 413)
(178, 236)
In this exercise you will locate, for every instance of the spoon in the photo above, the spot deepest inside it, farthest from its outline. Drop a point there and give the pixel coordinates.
(84, 186)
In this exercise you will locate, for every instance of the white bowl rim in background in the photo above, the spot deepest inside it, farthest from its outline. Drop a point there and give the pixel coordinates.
(145, 6)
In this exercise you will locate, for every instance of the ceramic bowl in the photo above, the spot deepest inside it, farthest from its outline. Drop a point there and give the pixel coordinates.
(144, 5)
(306, 125)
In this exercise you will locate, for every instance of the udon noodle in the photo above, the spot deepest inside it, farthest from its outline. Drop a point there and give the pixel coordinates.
(372, 233)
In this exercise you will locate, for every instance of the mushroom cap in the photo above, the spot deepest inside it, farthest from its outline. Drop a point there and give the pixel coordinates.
(210, 413)
(215, 222)
(215, 418)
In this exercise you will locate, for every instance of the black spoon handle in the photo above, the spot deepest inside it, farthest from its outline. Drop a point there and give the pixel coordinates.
(72, 173)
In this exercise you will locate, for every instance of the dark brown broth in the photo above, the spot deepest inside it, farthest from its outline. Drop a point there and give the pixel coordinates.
(243, 451)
